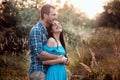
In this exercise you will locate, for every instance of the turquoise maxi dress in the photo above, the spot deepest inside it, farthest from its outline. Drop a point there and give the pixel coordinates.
(56, 71)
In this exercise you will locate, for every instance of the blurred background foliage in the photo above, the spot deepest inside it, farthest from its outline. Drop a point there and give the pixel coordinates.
(93, 45)
(110, 17)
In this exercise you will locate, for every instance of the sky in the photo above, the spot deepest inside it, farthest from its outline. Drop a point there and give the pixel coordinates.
(90, 7)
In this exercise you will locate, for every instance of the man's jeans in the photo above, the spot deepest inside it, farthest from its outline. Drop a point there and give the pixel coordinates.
(37, 75)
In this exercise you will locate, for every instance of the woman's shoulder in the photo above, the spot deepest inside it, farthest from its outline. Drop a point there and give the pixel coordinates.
(51, 42)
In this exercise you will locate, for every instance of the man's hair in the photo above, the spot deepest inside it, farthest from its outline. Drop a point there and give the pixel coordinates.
(46, 10)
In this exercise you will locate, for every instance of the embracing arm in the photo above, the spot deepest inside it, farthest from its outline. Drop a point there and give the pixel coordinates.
(54, 61)
(46, 55)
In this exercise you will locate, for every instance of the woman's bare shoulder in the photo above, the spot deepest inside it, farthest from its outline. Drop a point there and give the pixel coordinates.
(51, 42)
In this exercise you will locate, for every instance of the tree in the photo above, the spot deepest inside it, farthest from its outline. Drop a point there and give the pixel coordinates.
(68, 14)
(27, 17)
(11, 38)
(111, 15)
(8, 15)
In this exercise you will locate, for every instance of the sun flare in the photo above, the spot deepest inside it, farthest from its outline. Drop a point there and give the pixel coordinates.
(90, 7)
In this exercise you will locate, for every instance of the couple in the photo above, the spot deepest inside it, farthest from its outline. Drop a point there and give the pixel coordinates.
(47, 48)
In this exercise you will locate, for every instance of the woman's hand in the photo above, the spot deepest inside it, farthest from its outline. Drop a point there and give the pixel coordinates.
(62, 59)
(67, 62)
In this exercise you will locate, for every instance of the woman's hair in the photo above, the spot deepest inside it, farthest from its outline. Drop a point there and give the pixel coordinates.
(50, 34)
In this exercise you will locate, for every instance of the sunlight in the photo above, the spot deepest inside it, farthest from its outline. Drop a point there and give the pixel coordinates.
(90, 7)
(55, 2)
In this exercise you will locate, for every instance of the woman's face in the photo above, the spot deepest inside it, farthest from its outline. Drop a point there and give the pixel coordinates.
(56, 28)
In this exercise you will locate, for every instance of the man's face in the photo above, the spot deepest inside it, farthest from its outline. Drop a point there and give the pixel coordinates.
(51, 16)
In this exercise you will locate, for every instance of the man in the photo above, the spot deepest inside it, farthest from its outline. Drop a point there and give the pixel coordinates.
(37, 38)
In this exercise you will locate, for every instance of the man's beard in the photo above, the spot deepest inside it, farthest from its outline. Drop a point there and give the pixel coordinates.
(48, 22)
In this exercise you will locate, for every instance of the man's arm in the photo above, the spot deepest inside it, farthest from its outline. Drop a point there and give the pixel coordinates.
(46, 55)
(55, 61)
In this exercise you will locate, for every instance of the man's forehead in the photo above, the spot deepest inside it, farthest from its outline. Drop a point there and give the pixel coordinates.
(52, 10)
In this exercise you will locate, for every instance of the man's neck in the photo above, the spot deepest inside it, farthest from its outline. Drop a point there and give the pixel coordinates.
(44, 23)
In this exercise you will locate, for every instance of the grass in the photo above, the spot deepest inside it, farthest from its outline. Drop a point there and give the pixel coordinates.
(14, 67)
(98, 58)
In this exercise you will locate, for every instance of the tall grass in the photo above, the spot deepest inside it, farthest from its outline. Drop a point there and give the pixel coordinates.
(14, 67)
(98, 58)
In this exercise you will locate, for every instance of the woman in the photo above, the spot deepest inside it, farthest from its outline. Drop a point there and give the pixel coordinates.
(56, 45)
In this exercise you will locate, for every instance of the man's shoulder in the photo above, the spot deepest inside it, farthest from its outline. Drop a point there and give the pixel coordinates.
(37, 26)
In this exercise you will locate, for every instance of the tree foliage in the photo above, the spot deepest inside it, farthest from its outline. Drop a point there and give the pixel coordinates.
(68, 14)
(8, 15)
(11, 37)
(111, 15)
(27, 17)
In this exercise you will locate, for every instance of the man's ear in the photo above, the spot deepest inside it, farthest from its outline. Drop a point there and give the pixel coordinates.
(45, 15)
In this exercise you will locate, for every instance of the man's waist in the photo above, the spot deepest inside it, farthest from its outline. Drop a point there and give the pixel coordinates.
(38, 68)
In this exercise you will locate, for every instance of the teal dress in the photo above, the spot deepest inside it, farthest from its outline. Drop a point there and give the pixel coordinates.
(56, 71)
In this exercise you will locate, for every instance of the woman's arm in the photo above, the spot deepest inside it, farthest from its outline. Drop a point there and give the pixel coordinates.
(54, 61)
